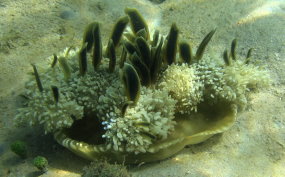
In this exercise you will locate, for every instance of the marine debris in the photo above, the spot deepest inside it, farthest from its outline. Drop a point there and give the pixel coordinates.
(136, 100)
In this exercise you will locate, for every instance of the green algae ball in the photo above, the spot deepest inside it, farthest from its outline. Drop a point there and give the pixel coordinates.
(41, 163)
(19, 148)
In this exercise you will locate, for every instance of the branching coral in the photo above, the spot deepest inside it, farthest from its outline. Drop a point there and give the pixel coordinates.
(187, 90)
(242, 78)
(230, 81)
(44, 110)
(143, 124)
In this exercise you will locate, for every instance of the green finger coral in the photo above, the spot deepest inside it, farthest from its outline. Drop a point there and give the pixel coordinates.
(143, 124)
(43, 110)
(145, 107)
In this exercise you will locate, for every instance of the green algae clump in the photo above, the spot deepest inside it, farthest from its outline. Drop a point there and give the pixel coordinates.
(145, 107)
(19, 148)
(41, 163)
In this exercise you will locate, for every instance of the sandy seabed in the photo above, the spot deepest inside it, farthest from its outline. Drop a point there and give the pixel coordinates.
(31, 30)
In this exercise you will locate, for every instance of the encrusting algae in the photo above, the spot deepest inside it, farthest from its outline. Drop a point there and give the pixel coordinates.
(143, 105)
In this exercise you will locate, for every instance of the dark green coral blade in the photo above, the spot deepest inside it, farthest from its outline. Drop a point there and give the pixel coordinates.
(83, 60)
(123, 57)
(204, 43)
(171, 45)
(88, 35)
(142, 69)
(130, 47)
(97, 50)
(156, 61)
(111, 55)
(144, 51)
(226, 58)
(55, 93)
(131, 83)
(142, 33)
(137, 21)
(130, 36)
(148, 134)
(65, 67)
(38, 80)
(233, 49)
(248, 56)
(54, 61)
(119, 29)
(185, 52)
(155, 38)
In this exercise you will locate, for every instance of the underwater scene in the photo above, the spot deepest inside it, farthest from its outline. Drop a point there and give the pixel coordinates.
(142, 88)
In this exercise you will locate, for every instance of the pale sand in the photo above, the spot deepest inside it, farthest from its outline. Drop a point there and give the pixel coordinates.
(31, 30)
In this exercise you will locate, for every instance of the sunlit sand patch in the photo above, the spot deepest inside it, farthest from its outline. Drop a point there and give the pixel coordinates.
(267, 9)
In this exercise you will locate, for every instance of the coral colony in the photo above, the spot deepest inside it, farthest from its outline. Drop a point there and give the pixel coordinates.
(135, 100)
